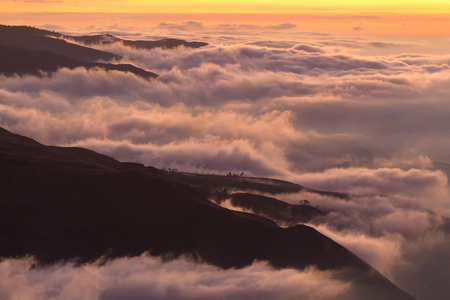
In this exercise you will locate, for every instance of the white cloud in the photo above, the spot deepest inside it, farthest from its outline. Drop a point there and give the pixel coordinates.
(147, 277)
(298, 107)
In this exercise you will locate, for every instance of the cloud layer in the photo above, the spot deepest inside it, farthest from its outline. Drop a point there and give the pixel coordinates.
(248, 85)
(147, 277)
(318, 103)
(356, 115)
(385, 221)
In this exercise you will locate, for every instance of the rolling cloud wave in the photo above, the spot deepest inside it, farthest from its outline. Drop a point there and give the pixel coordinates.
(366, 117)
(147, 277)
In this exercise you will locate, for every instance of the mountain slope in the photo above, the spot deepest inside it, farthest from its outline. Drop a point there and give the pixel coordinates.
(279, 211)
(33, 39)
(25, 62)
(43, 40)
(108, 39)
(220, 185)
(31, 51)
(62, 203)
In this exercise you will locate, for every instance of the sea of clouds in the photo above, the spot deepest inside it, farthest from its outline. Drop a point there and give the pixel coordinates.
(147, 277)
(364, 116)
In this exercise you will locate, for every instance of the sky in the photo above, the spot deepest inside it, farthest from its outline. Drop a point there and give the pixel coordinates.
(350, 98)
(229, 6)
(382, 17)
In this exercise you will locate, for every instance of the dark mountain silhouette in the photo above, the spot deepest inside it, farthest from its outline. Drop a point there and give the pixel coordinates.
(274, 209)
(219, 187)
(26, 62)
(40, 40)
(109, 39)
(28, 50)
(33, 39)
(27, 31)
(65, 203)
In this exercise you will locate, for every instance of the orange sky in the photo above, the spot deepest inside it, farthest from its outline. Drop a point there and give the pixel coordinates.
(228, 6)
(425, 25)
(370, 17)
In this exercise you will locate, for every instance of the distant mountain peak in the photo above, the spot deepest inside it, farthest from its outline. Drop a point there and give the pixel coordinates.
(47, 51)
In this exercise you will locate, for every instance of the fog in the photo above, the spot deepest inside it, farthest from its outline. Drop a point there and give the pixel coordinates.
(359, 115)
(147, 277)
(387, 221)
(309, 105)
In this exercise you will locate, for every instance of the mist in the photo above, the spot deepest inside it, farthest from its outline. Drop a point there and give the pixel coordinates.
(388, 221)
(364, 116)
(147, 277)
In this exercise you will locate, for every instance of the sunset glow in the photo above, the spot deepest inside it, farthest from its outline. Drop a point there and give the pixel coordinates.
(382, 18)
(230, 6)
(232, 149)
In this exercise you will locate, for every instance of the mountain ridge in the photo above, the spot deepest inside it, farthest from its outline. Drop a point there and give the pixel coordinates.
(27, 50)
(21, 36)
(78, 204)
(25, 62)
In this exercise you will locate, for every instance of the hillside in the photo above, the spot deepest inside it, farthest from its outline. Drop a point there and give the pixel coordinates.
(26, 62)
(33, 39)
(72, 203)
(40, 40)
(31, 51)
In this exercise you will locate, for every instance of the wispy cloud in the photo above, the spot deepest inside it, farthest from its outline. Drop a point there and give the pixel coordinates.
(362, 116)
(147, 277)
(195, 25)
